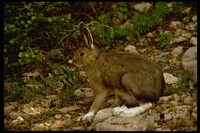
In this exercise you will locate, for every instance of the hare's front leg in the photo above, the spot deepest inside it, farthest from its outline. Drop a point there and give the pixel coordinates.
(99, 99)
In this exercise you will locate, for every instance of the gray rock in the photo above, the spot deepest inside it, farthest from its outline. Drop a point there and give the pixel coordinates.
(67, 115)
(78, 128)
(175, 24)
(177, 51)
(168, 116)
(103, 114)
(68, 109)
(167, 32)
(140, 7)
(130, 48)
(188, 100)
(187, 35)
(194, 18)
(30, 110)
(178, 40)
(14, 115)
(193, 40)
(195, 110)
(177, 97)
(40, 127)
(169, 78)
(18, 121)
(58, 116)
(58, 124)
(178, 32)
(165, 98)
(182, 111)
(189, 62)
(174, 103)
(11, 107)
(191, 27)
(35, 73)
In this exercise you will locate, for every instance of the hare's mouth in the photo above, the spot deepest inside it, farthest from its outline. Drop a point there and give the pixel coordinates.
(76, 64)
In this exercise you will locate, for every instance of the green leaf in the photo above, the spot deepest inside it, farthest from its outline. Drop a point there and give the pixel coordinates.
(114, 6)
(49, 19)
(69, 74)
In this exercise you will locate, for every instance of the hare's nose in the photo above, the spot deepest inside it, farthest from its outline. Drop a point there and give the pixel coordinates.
(70, 61)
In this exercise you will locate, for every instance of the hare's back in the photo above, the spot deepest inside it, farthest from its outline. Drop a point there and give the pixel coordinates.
(128, 62)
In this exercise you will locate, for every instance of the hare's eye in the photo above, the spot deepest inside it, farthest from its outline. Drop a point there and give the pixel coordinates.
(82, 53)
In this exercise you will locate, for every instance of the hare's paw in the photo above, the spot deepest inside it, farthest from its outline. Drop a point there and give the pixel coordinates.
(132, 112)
(88, 116)
(119, 110)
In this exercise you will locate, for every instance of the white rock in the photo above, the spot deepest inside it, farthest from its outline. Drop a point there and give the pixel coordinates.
(19, 120)
(169, 78)
(167, 116)
(177, 51)
(178, 32)
(187, 35)
(175, 24)
(30, 110)
(58, 116)
(140, 7)
(188, 100)
(194, 19)
(67, 115)
(167, 32)
(149, 34)
(130, 48)
(87, 92)
(191, 27)
(165, 98)
(169, 5)
(178, 40)
(193, 40)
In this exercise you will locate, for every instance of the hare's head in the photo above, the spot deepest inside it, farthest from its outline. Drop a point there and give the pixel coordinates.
(85, 55)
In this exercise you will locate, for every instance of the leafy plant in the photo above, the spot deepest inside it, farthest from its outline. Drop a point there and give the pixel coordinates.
(70, 74)
(149, 127)
(163, 41)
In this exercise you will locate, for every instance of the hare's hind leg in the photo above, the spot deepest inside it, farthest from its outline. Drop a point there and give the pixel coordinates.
(140, 85)
(131, 112)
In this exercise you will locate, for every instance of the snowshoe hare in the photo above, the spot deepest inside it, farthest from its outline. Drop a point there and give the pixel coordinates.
(134, 79)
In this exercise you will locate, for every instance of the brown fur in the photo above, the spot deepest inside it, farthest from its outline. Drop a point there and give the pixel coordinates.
(132, 77)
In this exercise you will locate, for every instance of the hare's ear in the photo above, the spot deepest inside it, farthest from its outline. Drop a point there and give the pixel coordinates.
(82, 25)
(86, 34)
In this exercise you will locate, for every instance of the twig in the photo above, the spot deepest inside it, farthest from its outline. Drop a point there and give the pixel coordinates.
(27, 8)
(93, 9)
(64, 37)
(29, 48)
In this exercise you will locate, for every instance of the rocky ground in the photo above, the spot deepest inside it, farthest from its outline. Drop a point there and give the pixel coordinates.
(173, 112)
